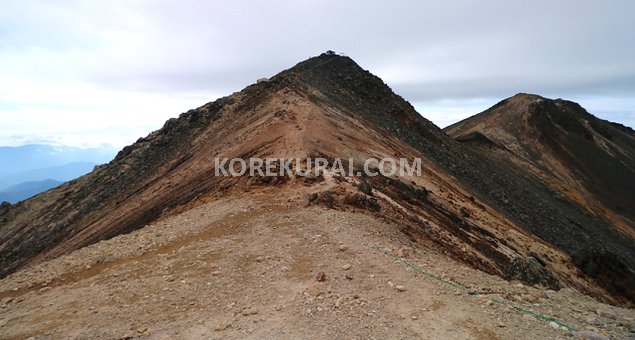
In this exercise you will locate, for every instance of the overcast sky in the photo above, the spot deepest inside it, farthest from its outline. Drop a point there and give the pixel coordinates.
(91, 72)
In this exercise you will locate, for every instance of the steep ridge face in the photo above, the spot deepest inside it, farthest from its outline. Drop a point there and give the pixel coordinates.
(169, 167)
(589, 161)
(473, 208)
(523, 197)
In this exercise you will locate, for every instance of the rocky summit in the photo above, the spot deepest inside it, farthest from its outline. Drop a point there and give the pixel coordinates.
(521, 222)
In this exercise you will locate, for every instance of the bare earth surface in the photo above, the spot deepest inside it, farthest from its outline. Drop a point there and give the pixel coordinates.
(246, 267)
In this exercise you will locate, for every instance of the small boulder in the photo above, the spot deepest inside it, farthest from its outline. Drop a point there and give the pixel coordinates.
(249, 311)
(320, 277)
(592, 320)
(607, 313)
(222, 326)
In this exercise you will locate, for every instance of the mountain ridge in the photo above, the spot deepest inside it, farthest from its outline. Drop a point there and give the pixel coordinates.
(474, 208)
(548, 122)
(588, 161)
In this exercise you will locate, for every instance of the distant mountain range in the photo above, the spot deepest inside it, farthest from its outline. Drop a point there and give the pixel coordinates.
(25, 190)
(60, 173)
(30, 169)
(38, 156)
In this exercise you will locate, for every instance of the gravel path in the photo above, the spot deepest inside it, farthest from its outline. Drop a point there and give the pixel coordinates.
(249, 267)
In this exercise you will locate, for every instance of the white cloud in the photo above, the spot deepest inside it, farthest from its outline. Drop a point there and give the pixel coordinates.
(81, 115)
(446, 112)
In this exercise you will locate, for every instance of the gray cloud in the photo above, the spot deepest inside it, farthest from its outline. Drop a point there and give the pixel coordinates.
(427, 51)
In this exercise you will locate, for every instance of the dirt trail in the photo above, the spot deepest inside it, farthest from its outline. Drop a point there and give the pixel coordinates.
(246, 267)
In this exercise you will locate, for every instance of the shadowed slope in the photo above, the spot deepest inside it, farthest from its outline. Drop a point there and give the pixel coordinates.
(590, 162)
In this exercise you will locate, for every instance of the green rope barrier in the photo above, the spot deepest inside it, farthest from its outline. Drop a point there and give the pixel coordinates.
(421, 271)
(456, 285)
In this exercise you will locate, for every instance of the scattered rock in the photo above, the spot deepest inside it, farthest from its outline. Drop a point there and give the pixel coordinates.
(400, 288)
(314, 290)
(592, 320)
(553, 325)
(531, 272)
(403, 252)
(607, 313)
(222, 326)
(346, 266)
(529, 298)
(128, 335)
(517, 298)
(528, 317)
(549, 294)
(588, 335)
(320, 277)
(342, 247)
(249, 311)
(364, 187)
(627, 323)
(501, 324)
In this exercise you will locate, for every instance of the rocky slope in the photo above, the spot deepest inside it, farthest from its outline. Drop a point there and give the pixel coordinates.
(590, 162)
(478, 210)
